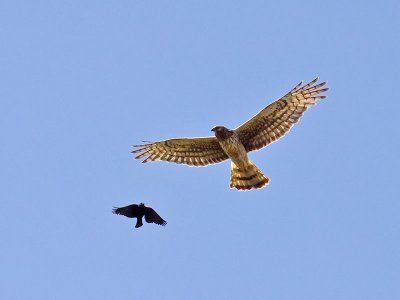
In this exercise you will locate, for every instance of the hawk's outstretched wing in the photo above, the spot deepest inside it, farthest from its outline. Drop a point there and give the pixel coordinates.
(190, 151)
(276, 119)
(152, 217)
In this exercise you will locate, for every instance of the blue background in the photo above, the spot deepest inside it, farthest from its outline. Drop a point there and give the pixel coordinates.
(82, 81)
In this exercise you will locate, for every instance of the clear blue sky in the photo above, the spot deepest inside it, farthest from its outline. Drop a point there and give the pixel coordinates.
(83, 81)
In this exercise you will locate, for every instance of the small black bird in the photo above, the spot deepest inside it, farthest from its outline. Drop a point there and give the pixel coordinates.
(138, 211)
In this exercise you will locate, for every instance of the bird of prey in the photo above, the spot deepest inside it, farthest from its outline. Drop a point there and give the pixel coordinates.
(138, 211)
(264, 128)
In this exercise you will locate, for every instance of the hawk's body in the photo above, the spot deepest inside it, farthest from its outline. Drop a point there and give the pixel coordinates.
(264, 128)
(231, 145)
(244, 174)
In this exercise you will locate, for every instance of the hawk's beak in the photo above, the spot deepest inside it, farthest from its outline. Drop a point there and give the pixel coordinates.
(213, 129)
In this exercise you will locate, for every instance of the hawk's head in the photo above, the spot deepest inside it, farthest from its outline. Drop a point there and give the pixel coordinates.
(222, 132)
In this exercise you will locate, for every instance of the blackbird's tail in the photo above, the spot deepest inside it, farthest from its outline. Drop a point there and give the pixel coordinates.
(139, 222)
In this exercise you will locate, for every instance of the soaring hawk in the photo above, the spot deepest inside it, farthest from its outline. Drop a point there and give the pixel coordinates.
(140, 211)
(264, 128)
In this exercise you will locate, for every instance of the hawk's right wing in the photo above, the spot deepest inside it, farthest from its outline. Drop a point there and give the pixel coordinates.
(191, 151)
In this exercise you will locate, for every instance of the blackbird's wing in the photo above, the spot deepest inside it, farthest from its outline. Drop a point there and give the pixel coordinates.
(130, 211)
(152, 217)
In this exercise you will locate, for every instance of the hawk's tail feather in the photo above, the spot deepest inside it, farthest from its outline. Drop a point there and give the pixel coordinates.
(247, 179)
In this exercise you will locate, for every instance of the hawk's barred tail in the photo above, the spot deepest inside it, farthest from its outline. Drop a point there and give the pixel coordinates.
(247, 179)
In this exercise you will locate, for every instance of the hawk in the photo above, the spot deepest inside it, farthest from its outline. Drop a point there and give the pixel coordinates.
(138, 211)
(270, 124)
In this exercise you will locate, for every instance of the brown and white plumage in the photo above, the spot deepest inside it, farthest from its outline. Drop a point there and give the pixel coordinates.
(270, 124)
(189, 151)
(275, 120)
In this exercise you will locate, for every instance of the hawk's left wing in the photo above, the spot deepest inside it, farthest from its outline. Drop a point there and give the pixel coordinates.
(275, 120)
(190, 151)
